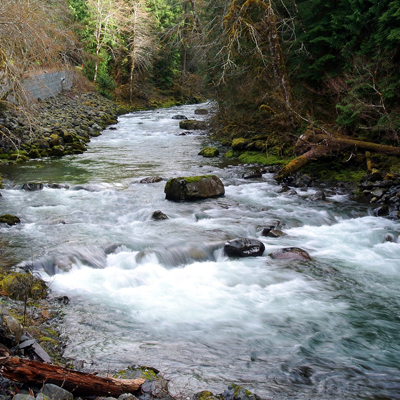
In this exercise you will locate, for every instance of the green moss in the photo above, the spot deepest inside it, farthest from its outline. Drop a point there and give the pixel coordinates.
(252, 157)
(9, 219)
(239, 144)
(230, 154)
(20, 286)
(209, 152)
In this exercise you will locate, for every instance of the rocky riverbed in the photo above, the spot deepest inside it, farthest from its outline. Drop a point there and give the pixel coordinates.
(55, 127)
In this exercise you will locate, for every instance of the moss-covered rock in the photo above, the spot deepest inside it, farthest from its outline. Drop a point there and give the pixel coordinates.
(239, 144)
(191, 124)
(22, 285)
(209, 152)
(9, 219)
(194, 188)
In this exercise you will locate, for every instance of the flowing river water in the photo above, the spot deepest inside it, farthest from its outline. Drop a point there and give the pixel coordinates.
(163, 294)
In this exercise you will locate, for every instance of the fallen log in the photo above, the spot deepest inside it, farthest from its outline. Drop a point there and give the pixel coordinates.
(333, 143)
(79, 383)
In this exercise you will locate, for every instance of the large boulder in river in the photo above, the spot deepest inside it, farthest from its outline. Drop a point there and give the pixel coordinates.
(9, 219)
(209, 152)
(194, 188)
(243, 247)
(290, 253)
(192, 124)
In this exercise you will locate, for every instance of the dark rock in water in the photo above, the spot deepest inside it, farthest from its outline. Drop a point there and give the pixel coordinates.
(284, 189)
(304, 181)
(194, 188)
(266, 231)
(57, 186)
(63, 299)
(32, 186)
(382, 211)
(151, 179)
(209, 152)
(192, 124)
(290, 253)
(112, 128)
(389, 237)
(243, 247)
(179, 117)
(394, 215)
(201, 111)
(9, 219)
(158, 215)
(276, 233)
(254, 173)
(56, 393)
(319, 195)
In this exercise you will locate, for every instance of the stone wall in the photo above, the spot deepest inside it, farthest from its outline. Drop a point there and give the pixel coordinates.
(48, 84)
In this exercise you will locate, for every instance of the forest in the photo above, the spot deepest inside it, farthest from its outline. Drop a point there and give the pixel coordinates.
(274, 68)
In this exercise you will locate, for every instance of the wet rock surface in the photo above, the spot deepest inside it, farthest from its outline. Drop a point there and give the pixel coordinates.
(244, 247)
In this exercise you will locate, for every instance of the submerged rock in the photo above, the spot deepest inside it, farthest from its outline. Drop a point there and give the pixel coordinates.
(194, 188)
(319, 195)
(158, 216)
(179, 117)
(151, 179)
(9, 219)
(243, 247)
(290, 253)
(32, 186)
(254, 173)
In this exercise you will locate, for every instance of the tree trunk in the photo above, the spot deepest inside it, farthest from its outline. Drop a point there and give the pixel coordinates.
(80, 383)
(337, 144)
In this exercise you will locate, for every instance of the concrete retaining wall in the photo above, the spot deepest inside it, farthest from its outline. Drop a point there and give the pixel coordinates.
(48, 85)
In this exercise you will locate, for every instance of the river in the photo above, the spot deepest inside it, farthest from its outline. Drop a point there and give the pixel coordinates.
(162, 293)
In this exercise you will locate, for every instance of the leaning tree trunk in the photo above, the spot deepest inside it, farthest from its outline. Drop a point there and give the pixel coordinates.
(80, 383)
(333, 144)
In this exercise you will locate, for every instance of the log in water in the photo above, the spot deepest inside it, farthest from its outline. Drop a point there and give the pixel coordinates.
(162, 293)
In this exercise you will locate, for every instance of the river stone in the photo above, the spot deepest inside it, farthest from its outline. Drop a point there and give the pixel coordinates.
(209, 152)
(21, 396)
(151, 179)
(179, 117)
(243, 247)
(290, 253)
(9, 219)
(191, 124)
(317, 196)
(205, 395)
(254, 173)
(56, 393)
(158, 215)
(13, 327)
(236, 392)
(275, 233)
(32, 186)
(194, 188)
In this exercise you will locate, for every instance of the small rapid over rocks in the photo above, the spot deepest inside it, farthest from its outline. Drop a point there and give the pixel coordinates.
(164, 293)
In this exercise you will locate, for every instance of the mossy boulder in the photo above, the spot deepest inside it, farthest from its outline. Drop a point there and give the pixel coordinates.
(192, 124)
(239, 144)
(194, 188)
(22, 285)
(9, 219)
(209, 152)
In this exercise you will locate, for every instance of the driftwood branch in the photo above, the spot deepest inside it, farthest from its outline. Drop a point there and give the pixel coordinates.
(79, 383)
(332, 143)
